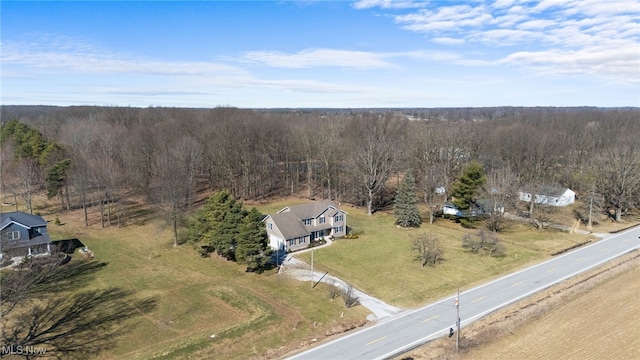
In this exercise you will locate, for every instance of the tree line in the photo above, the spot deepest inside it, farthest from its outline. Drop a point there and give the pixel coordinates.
(167, 156)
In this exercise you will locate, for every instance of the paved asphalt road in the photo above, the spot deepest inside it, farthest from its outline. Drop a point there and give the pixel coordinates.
(398, 334)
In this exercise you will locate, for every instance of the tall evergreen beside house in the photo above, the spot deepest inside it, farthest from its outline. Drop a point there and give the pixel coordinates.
(224, 226)
(406, 203)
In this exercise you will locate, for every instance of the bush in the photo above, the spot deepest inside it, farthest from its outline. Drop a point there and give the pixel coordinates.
(334, 291)
(427, 249)
(467, 223)
(349, 297)
(484, 243)
(6, 262)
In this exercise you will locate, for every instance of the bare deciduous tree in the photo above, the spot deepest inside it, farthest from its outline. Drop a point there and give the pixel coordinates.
(349, 296)
(375, 139)
(619, 178)
(29, 178)
(500, 189)
(484, 243)
(427, 249)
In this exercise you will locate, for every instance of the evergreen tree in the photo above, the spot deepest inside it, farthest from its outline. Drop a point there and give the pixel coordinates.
(253, 249)
(229, 230)
(57, 177)
(217, 224)
(465, 188)
(406, 203)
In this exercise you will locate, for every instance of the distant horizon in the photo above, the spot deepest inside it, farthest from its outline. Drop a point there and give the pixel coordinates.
(332, 108)
(321, 54)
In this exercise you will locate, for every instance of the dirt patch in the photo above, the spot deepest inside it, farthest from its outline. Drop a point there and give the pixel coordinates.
(508, 325)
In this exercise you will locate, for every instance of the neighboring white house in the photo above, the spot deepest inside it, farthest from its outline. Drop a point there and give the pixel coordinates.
(450, 209)
(550, 196)
(295, 227)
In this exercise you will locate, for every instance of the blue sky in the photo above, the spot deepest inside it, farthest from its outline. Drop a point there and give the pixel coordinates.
(368, 53)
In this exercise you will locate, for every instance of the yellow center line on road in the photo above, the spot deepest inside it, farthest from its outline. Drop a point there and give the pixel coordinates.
(579, 259)
(478, 299)
(604, 249)
(375, 341)
(552, 270)
(431, 318)
(518, 283)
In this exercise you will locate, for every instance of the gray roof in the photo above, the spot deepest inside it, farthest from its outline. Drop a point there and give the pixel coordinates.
(22, 218)
(289, 225)
(312, 210)
(545, 190)
(289, 219)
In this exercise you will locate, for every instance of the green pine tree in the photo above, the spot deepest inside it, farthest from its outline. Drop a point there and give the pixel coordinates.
(406, 203)
(253, 249)
(57, 177)
(218, 223)
(465, 188)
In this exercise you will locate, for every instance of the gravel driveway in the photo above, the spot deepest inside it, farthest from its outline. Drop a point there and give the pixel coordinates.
(298, 269)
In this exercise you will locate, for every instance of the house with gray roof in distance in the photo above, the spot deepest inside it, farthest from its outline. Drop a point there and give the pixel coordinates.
(23, 234)
(548, 195)
(295, 227)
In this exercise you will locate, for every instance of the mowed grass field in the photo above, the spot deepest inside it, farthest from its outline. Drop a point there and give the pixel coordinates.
(264, 315)
(380, 262)
(603, 323)
(251, 315)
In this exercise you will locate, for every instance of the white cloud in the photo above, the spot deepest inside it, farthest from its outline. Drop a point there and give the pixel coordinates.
(389, 4)
(448, 41)
(547, 4)
(537, 24)
(616, 65)
(584, 37)
(318, 58)
(66, 55)
(502, 3)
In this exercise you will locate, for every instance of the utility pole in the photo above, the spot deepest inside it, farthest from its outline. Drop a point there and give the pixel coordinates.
(458, 320)
(312, 268)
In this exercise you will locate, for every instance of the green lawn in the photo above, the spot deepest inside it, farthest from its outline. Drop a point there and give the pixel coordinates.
(380, 262)
(256, 314)
(198, 297)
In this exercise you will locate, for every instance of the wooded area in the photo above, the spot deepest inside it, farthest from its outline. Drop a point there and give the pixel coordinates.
(102, 156)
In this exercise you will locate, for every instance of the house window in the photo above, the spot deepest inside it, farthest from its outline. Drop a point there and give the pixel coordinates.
(321, 219)
(339, 218)
(12, 235)
(270, 225)
(301, 241)
(338, 229)
(306, 221)
(291, 242)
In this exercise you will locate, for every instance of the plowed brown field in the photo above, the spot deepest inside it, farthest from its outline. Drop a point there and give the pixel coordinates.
(593, 316)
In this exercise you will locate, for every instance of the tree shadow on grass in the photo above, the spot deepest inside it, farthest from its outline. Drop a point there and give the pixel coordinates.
(44, 276)
(48, 310)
